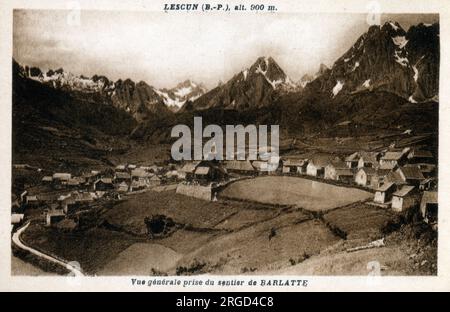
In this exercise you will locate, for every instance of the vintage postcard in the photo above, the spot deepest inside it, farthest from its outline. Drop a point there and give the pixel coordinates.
(225, 145)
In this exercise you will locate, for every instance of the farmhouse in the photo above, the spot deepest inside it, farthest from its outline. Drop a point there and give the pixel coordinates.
(154, 181)
(392, 159)
(404, 198)
(428, 184)
(122, 187)
(189, 168)
(122, 176)
(243, 167)
(364, 176)
(120, 168)
(352, 160)
(428, 170)
(420, 156)
(32, 200)
(396, 178)
(54, 216)
(47, 180)
(137, 185)
(75, 182)
(344, 175)
(411, 175)
(316, 166)
(429, 207)
(332, 168)
(368, 159)
(295, 166)
(60, 179)
(371, 177)
(384, 193)
(140, 175)
(104, 184)
(17, 218)
(90, 177)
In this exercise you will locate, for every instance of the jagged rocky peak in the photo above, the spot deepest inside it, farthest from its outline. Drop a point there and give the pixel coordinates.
(254, 87)
(322, 70)
(388, 58)
(272, 72)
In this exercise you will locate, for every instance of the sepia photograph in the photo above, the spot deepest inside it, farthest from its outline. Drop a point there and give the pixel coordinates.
(241, 142)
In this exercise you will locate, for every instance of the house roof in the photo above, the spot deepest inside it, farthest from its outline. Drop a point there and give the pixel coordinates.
(368, 171)
(140, 173)
(82, 197)
(412, 173)
(428, 180)
(321, 160)
(387, 166)
(73, 182)
(392, 156)
(430, 197)
(395, 177)
(405, 190)
(420, 154)
(344, 172)
(104, 180)
(385, 187)
(352, 157)
(295, 162)
(239, 165)
(120, 167)
(202, 170)
(62, 176)
(369, 157)
(123, 175)
(17, 217)
(190, 167)
(338, 164)
(56, 213)
(47, 179)
(138, 184)
(382, 172)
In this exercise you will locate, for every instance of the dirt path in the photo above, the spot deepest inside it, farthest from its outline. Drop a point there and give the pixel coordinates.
(16, 239)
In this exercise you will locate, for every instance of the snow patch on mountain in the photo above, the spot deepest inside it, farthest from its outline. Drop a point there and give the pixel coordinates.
(416, 73)
(400, 41)
(399, 59)
(411, 99)
(337, 88)
(366, 84)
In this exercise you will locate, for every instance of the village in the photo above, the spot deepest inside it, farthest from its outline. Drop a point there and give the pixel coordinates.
(398, 178)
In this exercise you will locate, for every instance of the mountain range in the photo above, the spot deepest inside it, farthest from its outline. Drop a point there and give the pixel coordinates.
(388, 79)
(138, 99)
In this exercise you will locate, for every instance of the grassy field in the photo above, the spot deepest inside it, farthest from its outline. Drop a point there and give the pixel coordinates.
(235, 237)
(92, 249)
(185, 210)
(142, 259)
(308, 194)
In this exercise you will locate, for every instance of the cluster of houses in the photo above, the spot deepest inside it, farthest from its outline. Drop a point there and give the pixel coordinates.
(68, 193)
(400, 178)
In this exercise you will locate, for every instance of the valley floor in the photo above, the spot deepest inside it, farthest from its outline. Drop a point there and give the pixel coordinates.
(240, 237)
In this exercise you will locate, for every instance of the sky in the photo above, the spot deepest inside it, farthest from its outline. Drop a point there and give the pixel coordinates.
(164, 49)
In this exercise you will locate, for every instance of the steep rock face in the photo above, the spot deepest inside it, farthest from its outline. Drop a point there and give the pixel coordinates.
(137, 99)
(253, 87)
(182, 92)
(386, 58)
